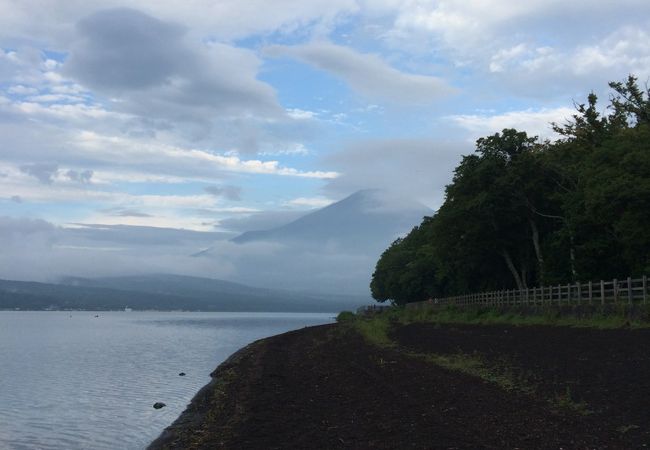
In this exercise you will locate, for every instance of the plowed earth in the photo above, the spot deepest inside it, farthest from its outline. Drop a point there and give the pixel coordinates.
(326, 388)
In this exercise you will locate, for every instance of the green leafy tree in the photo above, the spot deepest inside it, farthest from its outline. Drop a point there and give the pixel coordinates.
(520, 212)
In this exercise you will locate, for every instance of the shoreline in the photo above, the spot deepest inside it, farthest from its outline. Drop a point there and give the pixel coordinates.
(193, 416)
(327, 387)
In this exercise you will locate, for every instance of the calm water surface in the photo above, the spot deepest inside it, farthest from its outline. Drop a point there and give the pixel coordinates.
(76, 381)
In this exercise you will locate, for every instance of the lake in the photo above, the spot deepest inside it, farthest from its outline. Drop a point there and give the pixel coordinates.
(71, 380)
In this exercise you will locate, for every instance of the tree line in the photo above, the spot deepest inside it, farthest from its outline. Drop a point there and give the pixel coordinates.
(521, 212)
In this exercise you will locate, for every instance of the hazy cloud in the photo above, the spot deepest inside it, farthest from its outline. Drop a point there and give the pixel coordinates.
(311, 202)
(38, 250)
(83, 176)
(43, 172)
(126, 212)
(228, 192)
(124, 50)
(367, 74)
(259, 220)
(155, 70)
(418, 169)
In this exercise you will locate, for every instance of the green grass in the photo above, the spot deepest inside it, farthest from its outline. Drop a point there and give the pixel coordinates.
(595, 317)
(502, 375)
(345, 316)
(375, 330)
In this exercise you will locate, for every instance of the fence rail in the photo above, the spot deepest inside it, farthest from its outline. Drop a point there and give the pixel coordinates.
(627, 291)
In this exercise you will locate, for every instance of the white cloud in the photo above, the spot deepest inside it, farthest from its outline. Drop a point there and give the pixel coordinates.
(176, 160)
(534, 122)
(51, 22)
(75, 112)
(301, 114)
(22, 90)
(290, 149)
(160, 220)
(627, 49)
(367, 74)
(461, 24)
(504, 56)
(311, 202)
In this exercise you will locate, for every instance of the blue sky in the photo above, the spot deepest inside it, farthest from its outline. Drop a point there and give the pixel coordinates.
(209, 115)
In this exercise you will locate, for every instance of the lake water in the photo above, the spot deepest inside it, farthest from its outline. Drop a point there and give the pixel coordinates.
(70, 380)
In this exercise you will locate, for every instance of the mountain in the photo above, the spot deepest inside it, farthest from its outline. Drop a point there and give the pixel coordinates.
(366, 221)
(332, 250)
(162, 292)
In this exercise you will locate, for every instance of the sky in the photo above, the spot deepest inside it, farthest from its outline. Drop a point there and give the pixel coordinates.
(221, 116)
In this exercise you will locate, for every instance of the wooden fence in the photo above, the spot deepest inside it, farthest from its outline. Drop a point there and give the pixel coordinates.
(628, 291)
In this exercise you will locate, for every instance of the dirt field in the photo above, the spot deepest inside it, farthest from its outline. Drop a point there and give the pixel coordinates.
(325, 387)
(606, 372)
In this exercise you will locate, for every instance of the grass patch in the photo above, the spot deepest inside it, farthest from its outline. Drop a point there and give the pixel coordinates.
(375, 330)
(475, 365)
(608, 317)
(345, 316)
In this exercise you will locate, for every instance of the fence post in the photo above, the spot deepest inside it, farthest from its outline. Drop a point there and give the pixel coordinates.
(602, 292)
(629, 290)
(591, 297)
(645, 287)
(579, 293)
(568, 294)
(615, 284)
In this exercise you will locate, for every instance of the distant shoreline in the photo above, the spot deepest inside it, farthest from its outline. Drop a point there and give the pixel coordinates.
(333, 313)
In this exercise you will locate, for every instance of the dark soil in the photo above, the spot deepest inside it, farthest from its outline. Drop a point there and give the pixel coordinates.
(607, 370)
(325, 388)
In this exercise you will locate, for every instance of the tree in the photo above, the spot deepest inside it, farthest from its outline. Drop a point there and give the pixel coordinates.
(521, 212)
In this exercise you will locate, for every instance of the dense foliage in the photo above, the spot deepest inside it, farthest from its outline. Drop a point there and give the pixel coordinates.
(520, 212)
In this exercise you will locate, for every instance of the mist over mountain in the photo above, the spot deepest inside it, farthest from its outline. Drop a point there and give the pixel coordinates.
(364, 221)
(323, 253)
(330, 250)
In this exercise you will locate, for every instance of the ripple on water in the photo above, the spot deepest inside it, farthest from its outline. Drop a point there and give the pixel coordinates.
(89, 383)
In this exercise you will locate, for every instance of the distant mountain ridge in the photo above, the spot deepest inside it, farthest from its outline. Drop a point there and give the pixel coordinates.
(163, 292)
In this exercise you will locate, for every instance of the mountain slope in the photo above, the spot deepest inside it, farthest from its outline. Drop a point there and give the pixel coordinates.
(365, 220)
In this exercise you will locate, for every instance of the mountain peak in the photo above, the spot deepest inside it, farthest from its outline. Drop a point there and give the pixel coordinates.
(368, 217)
